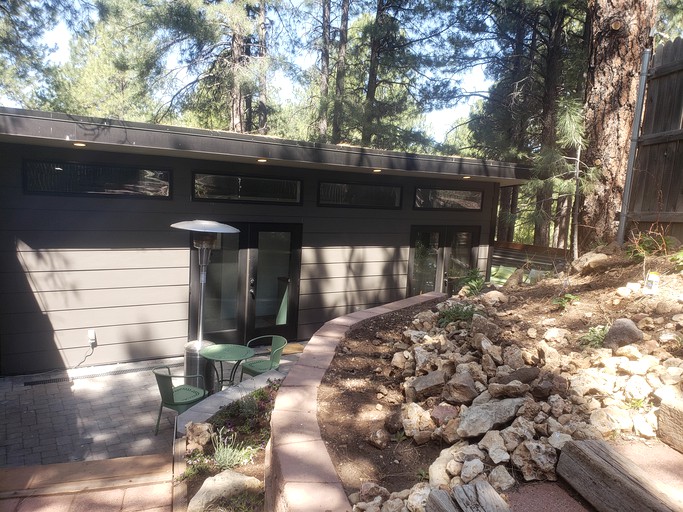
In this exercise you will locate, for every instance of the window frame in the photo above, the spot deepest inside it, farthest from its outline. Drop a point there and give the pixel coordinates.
(456, 209)
(299, 183)
(322, 204)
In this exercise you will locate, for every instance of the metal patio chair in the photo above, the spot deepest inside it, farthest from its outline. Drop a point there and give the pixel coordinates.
(179, 398)
(255, 367)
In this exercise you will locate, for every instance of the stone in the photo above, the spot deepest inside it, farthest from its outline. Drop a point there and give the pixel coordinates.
(380, 439)
(672, 375)
(370, 490)
(438, 470)
(393, 505)
(443, 413)
(224, 485)
(198, 437)
(610, 419)
(629, 351)
(399, 360)
(510, 390)
(494, 298)
(500, 479)
(592, 380)
(557, 440)
(639, 367)
(556, 335)
(622, 332)
(417, 500)
(512, 357)
(526, 375)
(515, 280)
(637, 388)
(494, 445)
(536, 460)
(548, 356)
(425, 360)
(549, 383)
(415, 419)
(558, 406)
(642, 427)
(471, 469)
(453, 467)
(477, 420)
(485, 326)
(428, 385)
(449, 433)
(460, 389)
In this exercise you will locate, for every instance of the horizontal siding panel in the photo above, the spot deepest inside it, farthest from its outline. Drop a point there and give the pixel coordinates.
(74, 240)
(90, 318)
(319, 316)
(44, 360)
(343, 254)
(346, 284)
(353, 269)
(85, 299)
(97, 279)
(351, 298)
(102, 219)
(113, 335)
(68, 260)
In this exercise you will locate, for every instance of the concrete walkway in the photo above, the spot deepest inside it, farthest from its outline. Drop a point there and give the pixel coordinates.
(83, 440)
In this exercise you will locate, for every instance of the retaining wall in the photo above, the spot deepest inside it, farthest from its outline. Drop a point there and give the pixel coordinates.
(300, 476)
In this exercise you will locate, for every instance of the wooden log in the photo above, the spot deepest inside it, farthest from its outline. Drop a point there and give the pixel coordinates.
(608, 480)
(479, 496)
(441, 501)
(670, 423)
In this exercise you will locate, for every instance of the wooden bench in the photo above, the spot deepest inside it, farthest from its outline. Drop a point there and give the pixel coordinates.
(609, 481)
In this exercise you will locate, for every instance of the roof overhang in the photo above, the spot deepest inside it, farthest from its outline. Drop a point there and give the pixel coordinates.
(61, 130)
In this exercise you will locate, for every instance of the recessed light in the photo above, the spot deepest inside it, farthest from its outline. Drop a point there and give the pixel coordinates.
(262, 160)
(79, 144)
(467, 177)
(377, 170)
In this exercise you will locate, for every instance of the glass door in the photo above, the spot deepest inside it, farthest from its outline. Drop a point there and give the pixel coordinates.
(252, 284)
(440, 256)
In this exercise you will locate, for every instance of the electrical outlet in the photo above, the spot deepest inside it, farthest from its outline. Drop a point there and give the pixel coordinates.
(92, 338)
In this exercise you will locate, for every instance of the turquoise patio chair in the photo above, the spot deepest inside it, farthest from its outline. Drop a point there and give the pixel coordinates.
(255, 367)
(179, 398)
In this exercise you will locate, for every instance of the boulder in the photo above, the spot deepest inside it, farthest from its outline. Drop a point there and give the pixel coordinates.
(536, 460)
(428, 385)
(460, 389)
(494, 445)
(224, 485)
(622, 332)
(477, 420)
(485, 326)
(500, 479)
(198, 437)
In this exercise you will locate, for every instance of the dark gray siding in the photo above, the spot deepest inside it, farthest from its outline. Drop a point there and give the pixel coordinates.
(70, 264)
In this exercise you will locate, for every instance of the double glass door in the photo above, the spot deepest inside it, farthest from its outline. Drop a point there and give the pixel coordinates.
(252, 284)
(440, 256)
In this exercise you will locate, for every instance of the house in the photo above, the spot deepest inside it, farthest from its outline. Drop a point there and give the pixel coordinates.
(88, 251)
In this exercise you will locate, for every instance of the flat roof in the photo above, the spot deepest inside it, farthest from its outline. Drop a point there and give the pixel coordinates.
(54, 129)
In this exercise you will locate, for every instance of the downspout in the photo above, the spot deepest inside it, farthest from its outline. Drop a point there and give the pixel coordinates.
(635, 131)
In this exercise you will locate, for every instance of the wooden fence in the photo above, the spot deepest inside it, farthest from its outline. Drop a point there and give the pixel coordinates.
(657, 192)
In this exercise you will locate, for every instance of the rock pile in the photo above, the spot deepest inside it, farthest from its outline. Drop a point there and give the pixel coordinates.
(507, 406)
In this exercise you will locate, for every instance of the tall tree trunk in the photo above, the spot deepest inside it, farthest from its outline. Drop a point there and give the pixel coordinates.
(324, 71)
(263, 70)
(553, 64)
(236, 98)
(562, 221)
(619, 33)
(341, 73)
(368, 128)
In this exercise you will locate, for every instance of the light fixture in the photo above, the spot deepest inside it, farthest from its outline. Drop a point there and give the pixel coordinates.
(262, 160)
(79, 144)
(467, 177)
(204, 237)
(377, 171)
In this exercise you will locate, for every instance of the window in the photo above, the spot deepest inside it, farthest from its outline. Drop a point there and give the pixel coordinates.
(222, 187)
(359, 195)
(43, 177)
(448, 199)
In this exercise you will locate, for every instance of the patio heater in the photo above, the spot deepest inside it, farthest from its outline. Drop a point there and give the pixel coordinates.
(205, 237)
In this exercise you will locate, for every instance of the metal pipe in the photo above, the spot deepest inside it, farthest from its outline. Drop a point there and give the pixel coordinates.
(635, 130)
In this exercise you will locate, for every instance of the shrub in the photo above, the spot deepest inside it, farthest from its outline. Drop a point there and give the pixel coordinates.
(456, 313)
(228, 453)
(473, 282)
(595, 336)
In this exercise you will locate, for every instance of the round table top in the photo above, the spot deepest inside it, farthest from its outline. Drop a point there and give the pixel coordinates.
(226, 352)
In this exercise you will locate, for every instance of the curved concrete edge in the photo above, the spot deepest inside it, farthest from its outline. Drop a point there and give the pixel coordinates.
(300, 476)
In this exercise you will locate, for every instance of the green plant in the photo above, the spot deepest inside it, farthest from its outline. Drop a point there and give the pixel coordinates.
(228, 453)
(595, 336)
(422, 475)
(197, 465)
(243, 502)
(563, 301)
(473, 282)
(637, 404)
(456, 313)
(677, 260)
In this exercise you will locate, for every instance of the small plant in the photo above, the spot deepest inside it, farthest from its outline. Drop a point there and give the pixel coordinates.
(595, 336)
(399, 436)
(456, 313)
(197, 465)
(637, 404)
(473, 282)
(564, 301)
(648, 243)
(228, 453)
(422, 475)
(677, 260)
